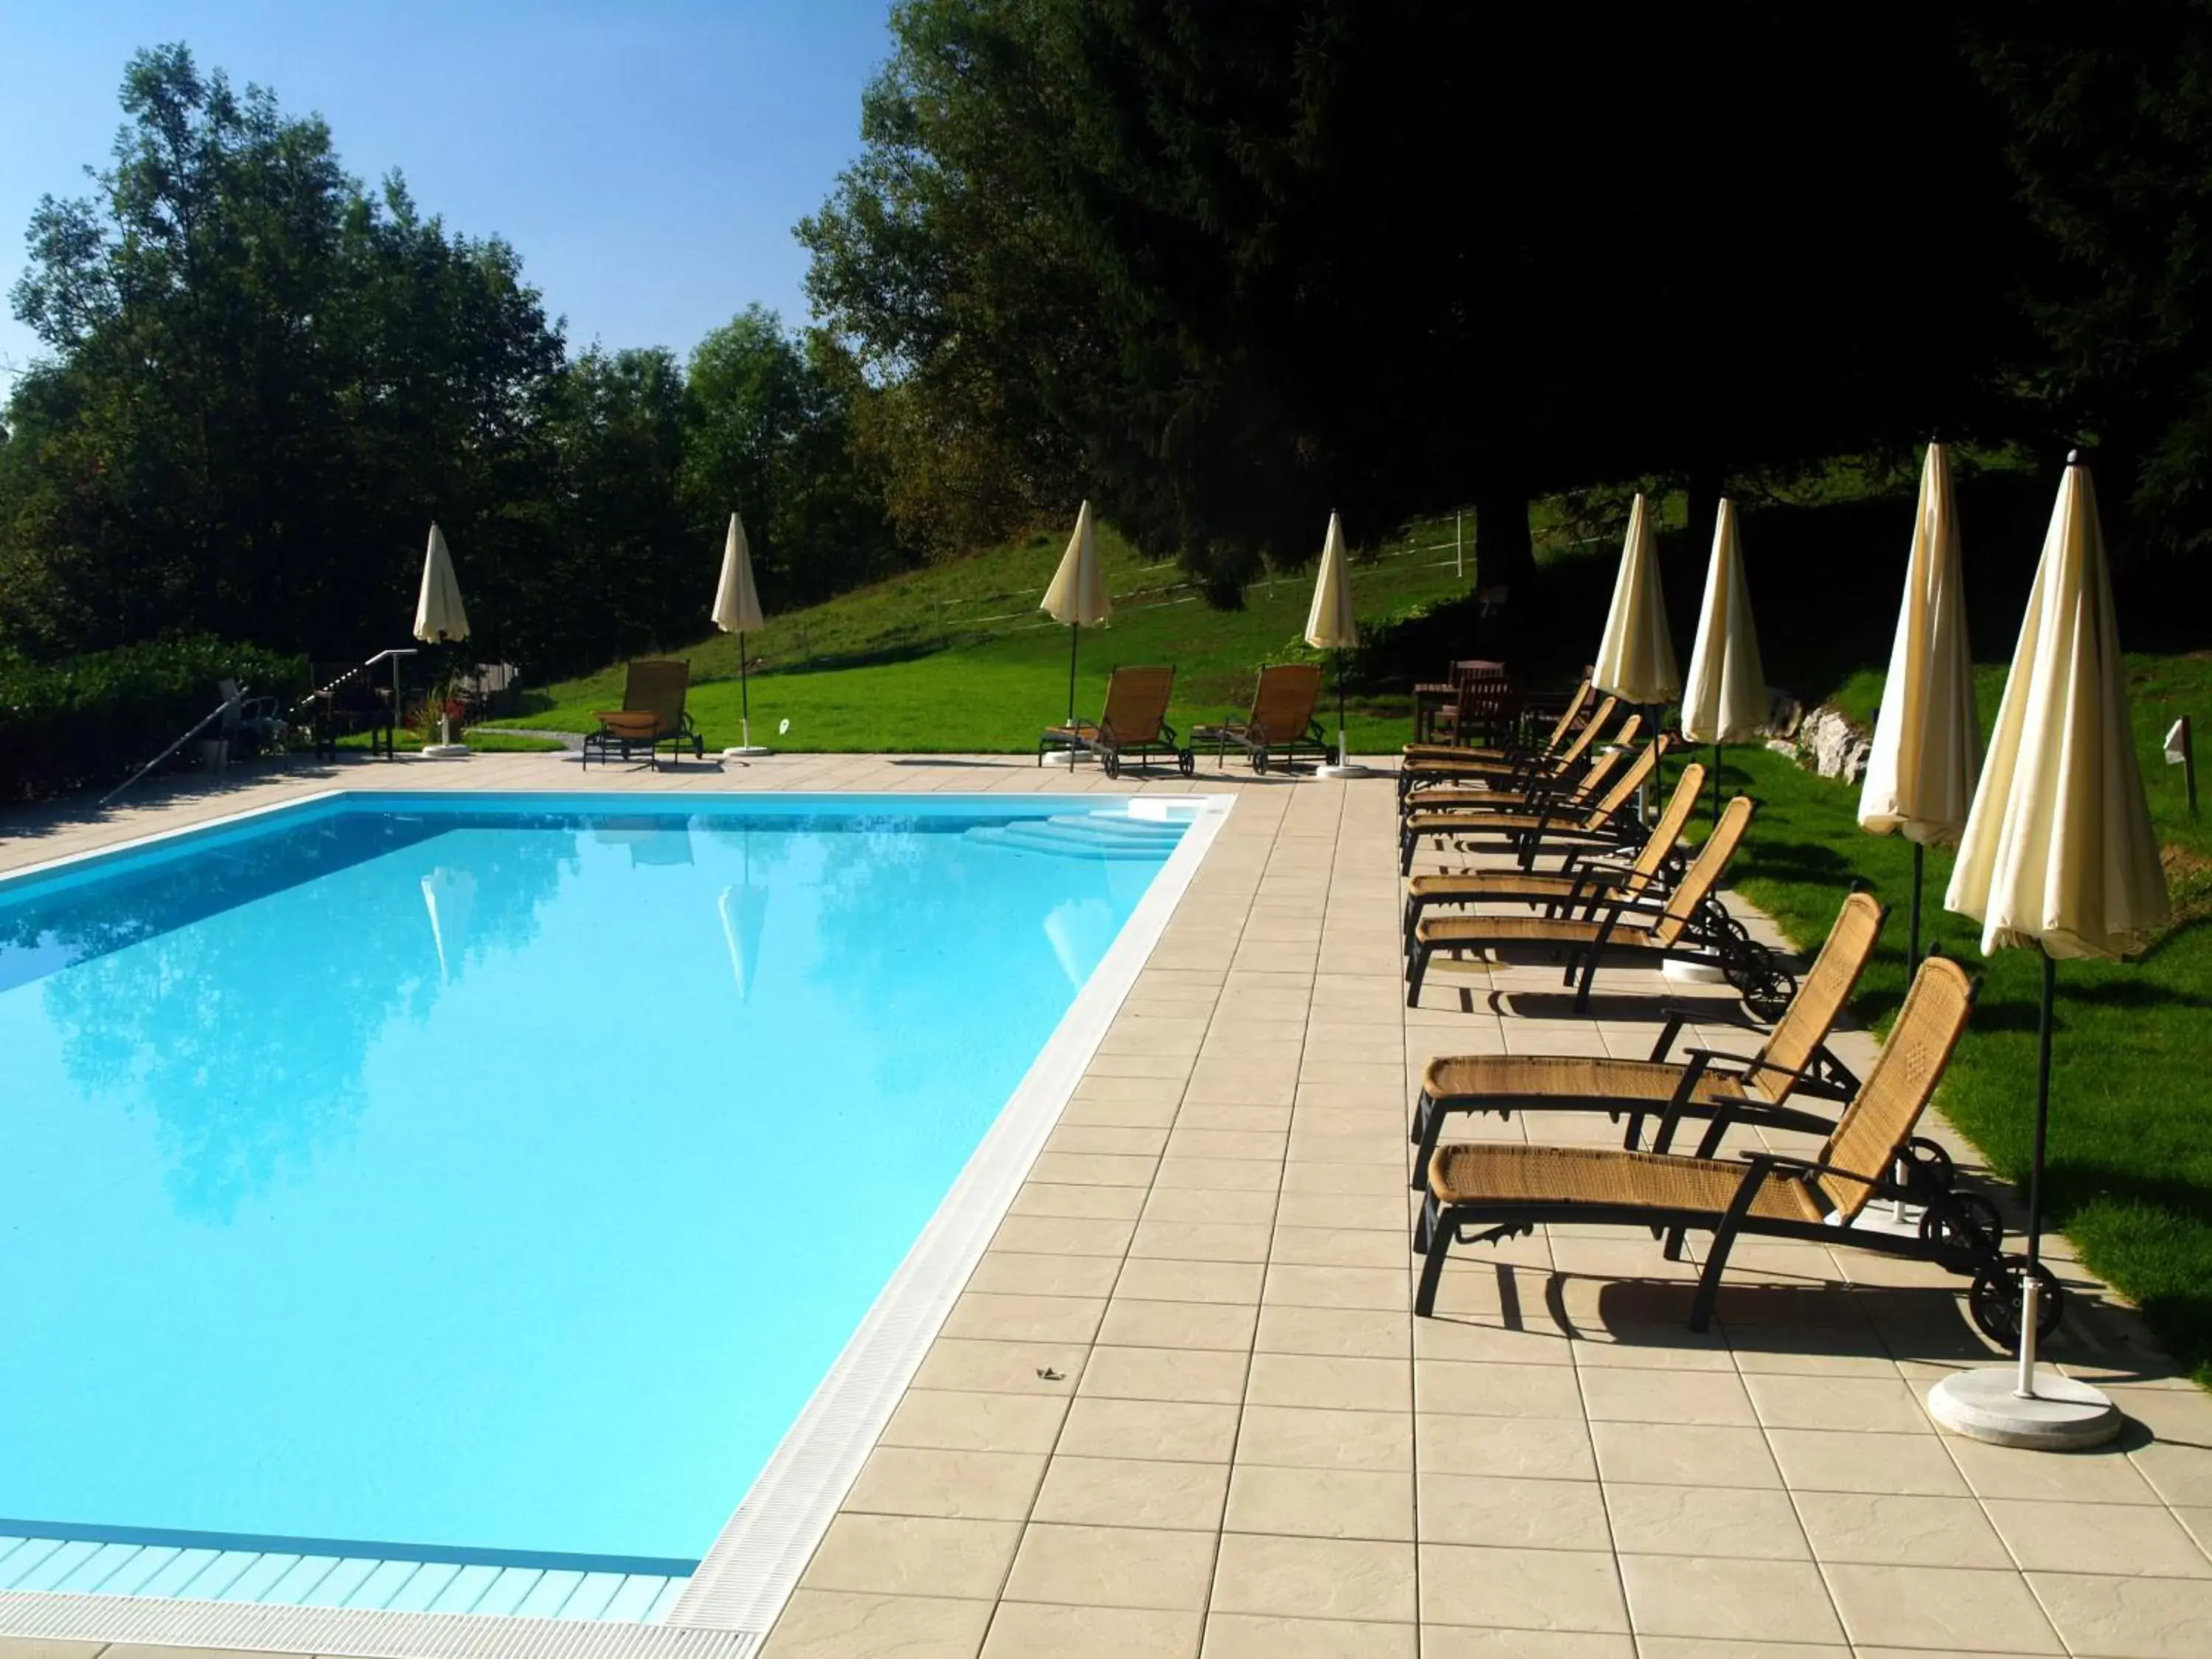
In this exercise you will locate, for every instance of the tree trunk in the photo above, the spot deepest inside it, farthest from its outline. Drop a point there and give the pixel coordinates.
(1504, 558)
(1503, 555)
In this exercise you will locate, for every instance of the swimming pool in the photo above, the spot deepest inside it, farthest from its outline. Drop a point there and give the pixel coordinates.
(450, 1202)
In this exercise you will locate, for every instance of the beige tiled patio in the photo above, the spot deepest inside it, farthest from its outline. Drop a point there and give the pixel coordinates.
(1183, 1406)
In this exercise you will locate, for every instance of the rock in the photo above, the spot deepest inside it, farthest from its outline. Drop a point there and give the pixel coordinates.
(1784, 714)
(1830, 744)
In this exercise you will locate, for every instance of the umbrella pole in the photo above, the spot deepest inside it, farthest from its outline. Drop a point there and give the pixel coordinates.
(1075, 632)
(1343, 753)
(2024, 1382)
(745, 706)
(1912, 950)
(1716, 781)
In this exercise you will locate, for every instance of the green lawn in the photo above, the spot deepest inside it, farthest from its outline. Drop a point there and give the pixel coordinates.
(2130, 1158)
(956, 657)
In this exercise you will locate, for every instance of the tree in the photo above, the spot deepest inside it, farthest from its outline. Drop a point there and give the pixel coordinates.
(266, 384)
(2111, 143)
(1226, 269)
(771, 435)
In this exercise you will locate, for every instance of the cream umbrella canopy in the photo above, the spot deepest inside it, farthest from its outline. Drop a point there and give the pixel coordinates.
(1331, 626)
(1077, 597)
(1926, 737)
(1724, 698)
(1636, 657)
(737, 609)
(439, 617)
(439, 614)
(2058, 853)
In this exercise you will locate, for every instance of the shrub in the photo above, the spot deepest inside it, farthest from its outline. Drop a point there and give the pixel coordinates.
(80, 722)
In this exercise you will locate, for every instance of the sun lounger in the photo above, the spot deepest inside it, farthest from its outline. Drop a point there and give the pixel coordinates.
(1601, 808)
(1489, 792)
(1691, 926)
(1281, 728)
(1512, 771)
(1584, 876)
(1792, 1065)
(1489, 1192)
(651, 713)
(1133, 727)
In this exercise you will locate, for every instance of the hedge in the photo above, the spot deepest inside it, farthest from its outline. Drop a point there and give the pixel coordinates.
(83, 721)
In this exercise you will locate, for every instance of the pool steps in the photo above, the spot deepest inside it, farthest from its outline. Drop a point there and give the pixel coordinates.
(1084, 835)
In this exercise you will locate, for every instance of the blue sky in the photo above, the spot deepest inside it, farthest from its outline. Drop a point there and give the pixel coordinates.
(647, 159)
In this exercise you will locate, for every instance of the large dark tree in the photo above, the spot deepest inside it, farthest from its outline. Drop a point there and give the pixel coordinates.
(2109, 116)
(1227, 267)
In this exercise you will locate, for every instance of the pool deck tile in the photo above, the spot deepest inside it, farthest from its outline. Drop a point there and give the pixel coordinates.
(1182, 1408)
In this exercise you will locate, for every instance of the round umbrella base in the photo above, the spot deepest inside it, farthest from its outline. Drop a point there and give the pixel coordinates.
(1691, 973)
(2064, 1415)
(1351, 771)
(744, 752)
(445, 751)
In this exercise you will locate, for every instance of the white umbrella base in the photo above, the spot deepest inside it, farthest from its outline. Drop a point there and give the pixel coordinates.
(745, 752)
(1691, 973)
(2063, 1415)
(1883, 1216)
(1353, 771)
(445, 751)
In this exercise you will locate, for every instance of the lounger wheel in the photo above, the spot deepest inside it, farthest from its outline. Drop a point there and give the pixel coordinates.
(1994, 1302)
(1959, 1248)
(1186, 763)
(1932, 1164)
(1112, 763)
(1770, 994)
(1259, 760)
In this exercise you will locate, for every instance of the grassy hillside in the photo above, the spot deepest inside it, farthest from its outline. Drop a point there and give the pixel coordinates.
(956, 657)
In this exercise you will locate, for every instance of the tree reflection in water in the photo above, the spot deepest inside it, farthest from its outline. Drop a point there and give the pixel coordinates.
(246, 1032)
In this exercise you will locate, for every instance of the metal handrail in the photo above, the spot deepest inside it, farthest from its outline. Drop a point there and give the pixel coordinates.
(228, 703)
(196, 727)
(395, 654)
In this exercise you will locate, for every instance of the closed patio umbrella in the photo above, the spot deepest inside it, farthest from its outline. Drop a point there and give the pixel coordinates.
(1725, 699)
(2057, 855)
(737, 609)
(1636, 657)
(1076, 596)
(1927, 739)
(1331, 626)
(439, 617)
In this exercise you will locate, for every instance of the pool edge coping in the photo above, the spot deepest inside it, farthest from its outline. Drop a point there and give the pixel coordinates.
(752, 1567)
(756, 1561)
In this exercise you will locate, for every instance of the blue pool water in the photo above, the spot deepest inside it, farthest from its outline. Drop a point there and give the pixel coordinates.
(497, 1172)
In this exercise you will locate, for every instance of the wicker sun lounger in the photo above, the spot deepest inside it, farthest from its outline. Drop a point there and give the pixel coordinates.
(1792, 1064)
(1489, 1192)
(1281, 728)
(1494, 792)
(1134, 725)
(1601, 808)
(1584, 876)
(651, 713)
(1691, 927)
(1511, 771)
